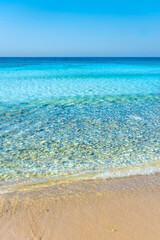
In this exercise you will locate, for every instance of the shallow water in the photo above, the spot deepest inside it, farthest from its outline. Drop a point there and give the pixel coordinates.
(81, 117)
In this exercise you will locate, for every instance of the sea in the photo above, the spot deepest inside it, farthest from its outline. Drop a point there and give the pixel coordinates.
(78, 118)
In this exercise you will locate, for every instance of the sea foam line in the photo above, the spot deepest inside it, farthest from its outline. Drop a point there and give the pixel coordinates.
(127, 173)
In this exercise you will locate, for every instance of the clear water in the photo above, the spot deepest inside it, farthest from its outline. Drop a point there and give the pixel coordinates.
(64, 117)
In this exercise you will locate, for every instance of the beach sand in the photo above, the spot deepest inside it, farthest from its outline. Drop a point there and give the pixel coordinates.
(123, 208)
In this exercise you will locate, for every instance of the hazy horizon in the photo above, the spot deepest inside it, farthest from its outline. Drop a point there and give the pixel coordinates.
(79, 57)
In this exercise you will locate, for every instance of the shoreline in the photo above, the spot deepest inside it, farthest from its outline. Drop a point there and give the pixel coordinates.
(103, 174)
(121, 208)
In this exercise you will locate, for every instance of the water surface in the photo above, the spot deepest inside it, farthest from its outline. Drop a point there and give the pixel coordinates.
(81, 117)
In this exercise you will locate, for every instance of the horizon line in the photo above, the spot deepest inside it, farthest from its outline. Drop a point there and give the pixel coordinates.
(77, 57)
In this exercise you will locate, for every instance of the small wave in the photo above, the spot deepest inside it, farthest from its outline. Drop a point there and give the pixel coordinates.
(127, 173)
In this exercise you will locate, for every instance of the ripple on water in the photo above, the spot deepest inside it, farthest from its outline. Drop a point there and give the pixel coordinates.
(79, 136)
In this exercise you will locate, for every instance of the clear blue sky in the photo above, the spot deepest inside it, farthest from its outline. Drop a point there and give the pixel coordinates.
(79, 28)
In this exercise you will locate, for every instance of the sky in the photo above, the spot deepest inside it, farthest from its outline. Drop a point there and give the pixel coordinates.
(82, 28)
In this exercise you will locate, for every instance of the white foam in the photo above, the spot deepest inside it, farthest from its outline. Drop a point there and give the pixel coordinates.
(126, 173)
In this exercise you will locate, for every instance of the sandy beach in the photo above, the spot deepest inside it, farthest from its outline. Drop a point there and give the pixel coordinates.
(122, 208)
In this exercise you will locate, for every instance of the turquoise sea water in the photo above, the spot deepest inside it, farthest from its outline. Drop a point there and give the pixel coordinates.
(83, 117)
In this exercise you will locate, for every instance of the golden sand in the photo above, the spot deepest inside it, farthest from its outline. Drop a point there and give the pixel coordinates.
(122, 208)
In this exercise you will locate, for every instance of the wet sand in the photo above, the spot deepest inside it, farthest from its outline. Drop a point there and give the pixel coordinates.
(123, 208)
